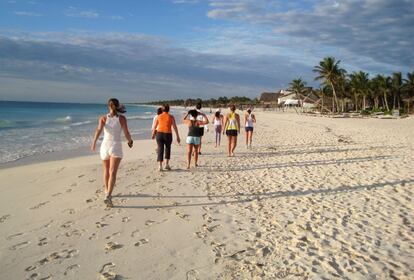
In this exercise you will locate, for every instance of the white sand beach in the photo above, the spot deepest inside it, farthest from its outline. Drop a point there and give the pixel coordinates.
(315, 198)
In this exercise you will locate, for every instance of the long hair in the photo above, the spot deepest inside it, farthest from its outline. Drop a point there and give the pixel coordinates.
(118, 107)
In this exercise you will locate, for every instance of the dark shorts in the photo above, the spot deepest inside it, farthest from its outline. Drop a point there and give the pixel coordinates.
(249, 128)
(201, 131)
(231, 132)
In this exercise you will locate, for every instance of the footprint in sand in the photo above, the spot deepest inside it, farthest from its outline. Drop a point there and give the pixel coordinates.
(68, 224)
(70, 211)
(149, 222)
(183, 216)
(19, 245)
(42, 241)
(134, 233)
(141, 242)
(113, 234)
(93, 236)
(39, 205)
(71, 269)
(111, 246)
(30, 268)
(192, 275)
(108, 276)
(4, 218)
(126, 219)
(64, 254)
(33, 276)
(81, 175)
(107, 267)
(107, 273)
(74, 184)
(91, 180)
(14, 235)
(56, 194)
(100, 225)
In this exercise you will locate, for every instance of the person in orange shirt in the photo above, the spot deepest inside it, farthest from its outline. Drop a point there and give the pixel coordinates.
(163, 134)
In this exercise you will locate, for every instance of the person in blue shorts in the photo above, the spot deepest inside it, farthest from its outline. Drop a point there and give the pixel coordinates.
(194, 135)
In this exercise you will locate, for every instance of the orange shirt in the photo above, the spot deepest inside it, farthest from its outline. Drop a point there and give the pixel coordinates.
(164, 123)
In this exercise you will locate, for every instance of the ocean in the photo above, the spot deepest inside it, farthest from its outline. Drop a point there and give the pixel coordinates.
(28, 129)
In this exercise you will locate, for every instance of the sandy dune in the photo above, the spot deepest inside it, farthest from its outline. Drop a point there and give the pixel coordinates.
(315, 198)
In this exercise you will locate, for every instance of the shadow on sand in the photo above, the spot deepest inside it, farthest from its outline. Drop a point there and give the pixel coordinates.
(245, 198)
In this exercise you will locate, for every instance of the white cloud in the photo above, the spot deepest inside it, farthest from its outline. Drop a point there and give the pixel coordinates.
(369, 28)
(75, 12)
(27, 14)
(145, 67)
(185, 1)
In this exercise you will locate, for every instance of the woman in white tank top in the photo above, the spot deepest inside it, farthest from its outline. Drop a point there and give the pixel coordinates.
(111, 148)
(217, 120)
(249, 119)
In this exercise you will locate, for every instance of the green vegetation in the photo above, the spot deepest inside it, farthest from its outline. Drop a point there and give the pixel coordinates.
(339, 92)
(359, 93)
(212, 102)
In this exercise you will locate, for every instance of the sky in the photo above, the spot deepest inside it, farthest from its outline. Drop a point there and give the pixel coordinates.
(87, 51)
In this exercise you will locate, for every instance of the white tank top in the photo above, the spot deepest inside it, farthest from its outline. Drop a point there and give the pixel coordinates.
(249, 121)
(112, 129)
(217, 121)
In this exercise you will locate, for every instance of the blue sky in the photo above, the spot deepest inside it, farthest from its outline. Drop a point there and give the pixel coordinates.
(146, 50)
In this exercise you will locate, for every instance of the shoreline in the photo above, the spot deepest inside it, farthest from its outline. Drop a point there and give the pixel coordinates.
(85, 152)
(59, 155)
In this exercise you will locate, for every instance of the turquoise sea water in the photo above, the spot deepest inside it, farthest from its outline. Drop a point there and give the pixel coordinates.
(31, 128)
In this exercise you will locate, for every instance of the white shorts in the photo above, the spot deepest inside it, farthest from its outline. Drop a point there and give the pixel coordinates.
(110, 149)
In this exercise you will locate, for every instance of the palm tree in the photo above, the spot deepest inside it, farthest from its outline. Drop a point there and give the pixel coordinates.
(359, 87)
(396, 85)
(329, 71)
(382, 84)
(408, 88)
(324, 91)
(298, 87)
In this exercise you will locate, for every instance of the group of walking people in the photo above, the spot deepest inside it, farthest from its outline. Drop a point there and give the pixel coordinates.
(114, 123)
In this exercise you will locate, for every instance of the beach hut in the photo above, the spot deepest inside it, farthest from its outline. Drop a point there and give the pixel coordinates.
(269, 99)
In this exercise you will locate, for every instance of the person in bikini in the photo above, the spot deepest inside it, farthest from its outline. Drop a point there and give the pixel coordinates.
(193, 138)
(112, 124)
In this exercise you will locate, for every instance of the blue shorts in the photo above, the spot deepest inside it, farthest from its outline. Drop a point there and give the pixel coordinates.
(193, 140)
(249, 128)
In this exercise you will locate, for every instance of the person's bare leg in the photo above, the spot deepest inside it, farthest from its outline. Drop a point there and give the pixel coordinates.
(196, 156)
(250, 138)
(247, 139)
(198, 149)
(113, 170)
(229, 146)
(234, 145)
(189, 152)
(105, 167)
(167, 164)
